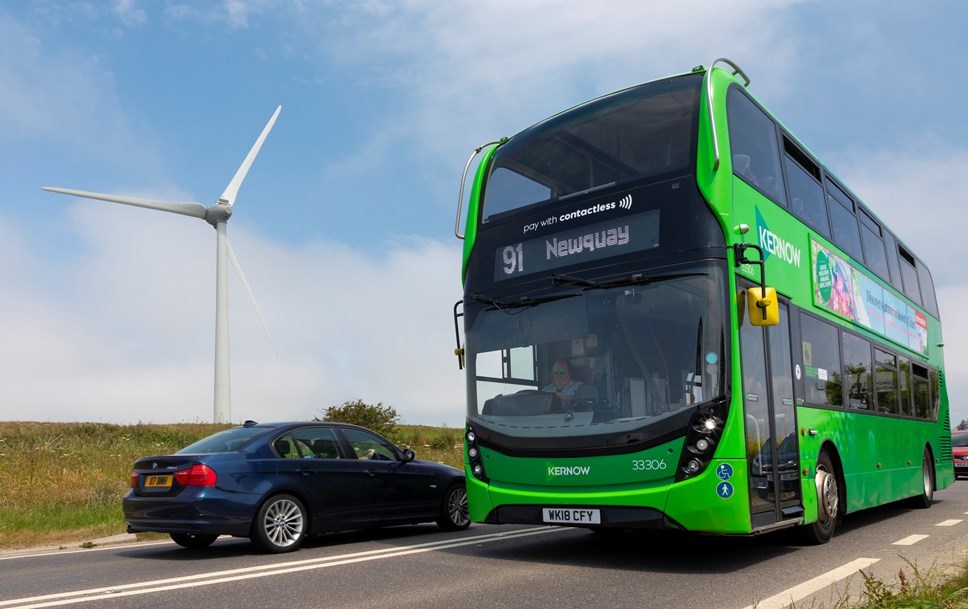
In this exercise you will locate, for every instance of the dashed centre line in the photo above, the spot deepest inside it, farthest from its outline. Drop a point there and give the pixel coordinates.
(910, 540)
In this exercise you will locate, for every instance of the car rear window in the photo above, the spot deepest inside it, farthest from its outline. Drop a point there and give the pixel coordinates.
(223, 441)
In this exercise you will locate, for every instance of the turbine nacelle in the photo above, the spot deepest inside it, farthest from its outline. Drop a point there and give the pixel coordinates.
(220, 212)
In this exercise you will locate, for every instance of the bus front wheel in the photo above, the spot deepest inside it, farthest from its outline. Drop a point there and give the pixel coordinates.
(828, 502)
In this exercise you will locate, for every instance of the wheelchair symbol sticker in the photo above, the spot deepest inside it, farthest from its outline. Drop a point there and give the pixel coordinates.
(724, 490)
(724, 471)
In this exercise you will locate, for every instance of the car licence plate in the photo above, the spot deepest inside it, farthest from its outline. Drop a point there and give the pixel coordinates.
(571, 516)
(961, 464)
(158, 482)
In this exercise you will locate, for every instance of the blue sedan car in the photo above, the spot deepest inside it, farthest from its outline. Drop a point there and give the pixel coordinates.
(277, 483)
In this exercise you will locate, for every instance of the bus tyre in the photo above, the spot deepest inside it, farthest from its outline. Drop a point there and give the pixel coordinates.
(192, 541)
(926, 497)
(828, 502)
(280, 525)
(453, 509)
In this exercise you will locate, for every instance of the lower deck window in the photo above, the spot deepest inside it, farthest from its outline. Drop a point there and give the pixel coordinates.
(821, 362)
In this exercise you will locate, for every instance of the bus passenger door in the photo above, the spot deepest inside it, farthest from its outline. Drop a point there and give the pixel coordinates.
(772, 447)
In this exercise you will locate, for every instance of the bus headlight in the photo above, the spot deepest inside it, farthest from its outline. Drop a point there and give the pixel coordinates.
(702, 436)
(474, 455)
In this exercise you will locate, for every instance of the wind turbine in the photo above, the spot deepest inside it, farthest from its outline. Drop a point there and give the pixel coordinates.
(218, 216)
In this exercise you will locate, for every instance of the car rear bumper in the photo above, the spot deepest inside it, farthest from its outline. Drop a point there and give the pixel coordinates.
(215, 513)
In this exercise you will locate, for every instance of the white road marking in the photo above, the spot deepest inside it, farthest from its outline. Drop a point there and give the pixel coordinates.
(218, 577)
(801, 591)
(910, 540)
(949, 523)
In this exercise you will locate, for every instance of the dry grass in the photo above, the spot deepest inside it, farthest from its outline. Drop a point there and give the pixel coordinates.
(64, 481)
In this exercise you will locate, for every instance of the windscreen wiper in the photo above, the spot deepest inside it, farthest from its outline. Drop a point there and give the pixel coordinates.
(562, 279)
(638, 279)
(524, 301)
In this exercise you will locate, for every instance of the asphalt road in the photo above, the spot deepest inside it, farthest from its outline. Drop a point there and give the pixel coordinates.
(490, 566)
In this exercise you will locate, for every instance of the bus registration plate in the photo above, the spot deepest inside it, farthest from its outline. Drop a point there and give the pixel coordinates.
(571, 516)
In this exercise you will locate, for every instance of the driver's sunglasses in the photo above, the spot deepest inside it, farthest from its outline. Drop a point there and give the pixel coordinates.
(559, 372)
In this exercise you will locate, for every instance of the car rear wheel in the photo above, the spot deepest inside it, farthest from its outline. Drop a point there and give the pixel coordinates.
(280, 525)
(453, 509)
(190, 540)
(926, 497)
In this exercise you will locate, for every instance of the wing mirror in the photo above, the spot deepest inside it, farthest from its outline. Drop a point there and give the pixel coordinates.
(764, 309)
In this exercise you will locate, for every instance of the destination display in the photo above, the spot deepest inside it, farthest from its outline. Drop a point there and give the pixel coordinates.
(590, 242)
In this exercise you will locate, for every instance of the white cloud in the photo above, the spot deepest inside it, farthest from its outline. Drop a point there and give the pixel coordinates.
(463, 73)
(63, 101)
(910, 187)
(233, 13)
(131, 338)
(129, 14)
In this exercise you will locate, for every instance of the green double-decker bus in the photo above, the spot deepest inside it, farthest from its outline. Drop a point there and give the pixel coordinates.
(676, 317)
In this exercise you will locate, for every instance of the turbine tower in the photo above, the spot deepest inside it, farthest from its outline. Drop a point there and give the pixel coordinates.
(218, 216)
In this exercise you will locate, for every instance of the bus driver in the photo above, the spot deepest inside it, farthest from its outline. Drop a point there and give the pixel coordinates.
(563, 386)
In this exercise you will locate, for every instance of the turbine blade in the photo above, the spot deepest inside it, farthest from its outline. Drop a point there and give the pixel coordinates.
(248, 290)
(228, 197)
(195, 210)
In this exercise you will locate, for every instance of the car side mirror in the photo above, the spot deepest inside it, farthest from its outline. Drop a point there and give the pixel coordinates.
(408, 455)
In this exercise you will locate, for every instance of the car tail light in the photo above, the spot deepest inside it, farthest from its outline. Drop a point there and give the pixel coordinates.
(198, 475)
(134, 479)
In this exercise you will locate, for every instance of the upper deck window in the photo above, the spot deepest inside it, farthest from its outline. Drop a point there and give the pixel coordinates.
(753, 145)
(927, 289)
(874, 252)
(806, 193)
(843, 222)
(909, 275)
(642, 131)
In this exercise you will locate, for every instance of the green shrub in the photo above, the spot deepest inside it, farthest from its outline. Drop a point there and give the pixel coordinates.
(381, 419)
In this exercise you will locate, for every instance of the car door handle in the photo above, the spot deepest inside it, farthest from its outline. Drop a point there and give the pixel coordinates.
(305, 471)
(371, 472)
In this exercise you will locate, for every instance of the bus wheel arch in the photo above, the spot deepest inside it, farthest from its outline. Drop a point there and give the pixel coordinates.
(828, 478)
(928, 482)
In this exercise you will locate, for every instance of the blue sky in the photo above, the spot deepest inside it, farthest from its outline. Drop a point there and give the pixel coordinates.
(344, 224)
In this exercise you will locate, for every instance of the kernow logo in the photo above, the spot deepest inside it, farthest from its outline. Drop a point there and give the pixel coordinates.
(559, 471)
(775, 245)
